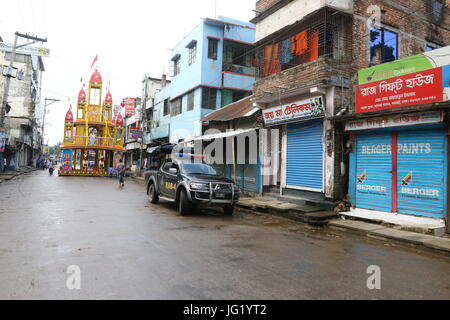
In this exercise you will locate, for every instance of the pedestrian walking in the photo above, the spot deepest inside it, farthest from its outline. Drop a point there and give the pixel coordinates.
(121, 173)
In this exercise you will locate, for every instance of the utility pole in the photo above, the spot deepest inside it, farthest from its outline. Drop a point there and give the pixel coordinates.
(143, 106)
(51, 101)
(8, 77)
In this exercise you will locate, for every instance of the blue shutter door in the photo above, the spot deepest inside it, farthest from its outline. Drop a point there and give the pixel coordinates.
(374, 171)
(305, 155)
(422, 173)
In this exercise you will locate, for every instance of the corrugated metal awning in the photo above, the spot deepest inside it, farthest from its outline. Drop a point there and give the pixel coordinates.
(238, 109)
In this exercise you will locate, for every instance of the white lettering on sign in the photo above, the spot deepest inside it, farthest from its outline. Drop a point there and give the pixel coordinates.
(372, 188)
(414, 148)
(409, 148)
(431, 193)
(377, 149)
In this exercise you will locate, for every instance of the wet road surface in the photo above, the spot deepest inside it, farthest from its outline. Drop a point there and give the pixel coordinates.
(129, 249)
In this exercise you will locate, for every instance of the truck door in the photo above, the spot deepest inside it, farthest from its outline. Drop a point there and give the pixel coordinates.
(162, 177)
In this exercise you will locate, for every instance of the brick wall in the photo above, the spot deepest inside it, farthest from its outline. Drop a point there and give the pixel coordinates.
(414, 30)
(263, 5)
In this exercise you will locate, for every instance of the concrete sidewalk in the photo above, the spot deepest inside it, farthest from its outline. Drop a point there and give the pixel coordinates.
(376, 231)
(303, 213)
(8, 175)
(316, 216)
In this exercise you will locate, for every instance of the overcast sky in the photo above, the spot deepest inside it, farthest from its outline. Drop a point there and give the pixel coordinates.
(131, 38)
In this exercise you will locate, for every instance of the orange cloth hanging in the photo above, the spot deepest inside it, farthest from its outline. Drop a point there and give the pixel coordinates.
(314, 46)
(300, 43)
(267, 56)
(275, 61)
(271, 59)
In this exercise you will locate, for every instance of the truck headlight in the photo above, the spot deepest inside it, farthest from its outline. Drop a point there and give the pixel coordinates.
(199, 186)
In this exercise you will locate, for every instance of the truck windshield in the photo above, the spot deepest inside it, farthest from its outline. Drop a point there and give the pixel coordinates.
(198, 168)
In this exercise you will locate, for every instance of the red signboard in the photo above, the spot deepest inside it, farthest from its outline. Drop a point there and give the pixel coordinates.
(411, 89)
(129, 106)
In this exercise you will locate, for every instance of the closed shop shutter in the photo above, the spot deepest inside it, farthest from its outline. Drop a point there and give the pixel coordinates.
(305, 155)
(251, 178)
(422, 174)
(374, 171)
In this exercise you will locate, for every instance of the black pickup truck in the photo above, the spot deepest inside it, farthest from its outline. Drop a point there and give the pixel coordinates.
(191, 184)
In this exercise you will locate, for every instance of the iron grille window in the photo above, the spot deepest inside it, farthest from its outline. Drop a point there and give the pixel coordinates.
(166, 107)
(209, 98)
(212, 48)
(192, 54)
(176, 67)
(383, 46)
(190, 101)
(324, 34)
(176, 106)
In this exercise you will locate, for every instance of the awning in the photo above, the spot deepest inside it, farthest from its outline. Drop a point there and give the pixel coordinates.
(221, 135)
(238, 109)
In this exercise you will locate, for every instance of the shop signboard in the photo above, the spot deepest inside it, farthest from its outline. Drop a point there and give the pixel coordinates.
(419, 118)
(135, 133)
(419, 79)
(32, 51)
(412, 89)
(303, 109)
(424, 61)
(130, 107)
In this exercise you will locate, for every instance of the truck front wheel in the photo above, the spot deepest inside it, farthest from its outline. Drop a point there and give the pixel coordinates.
(228, 210)
(184, 206)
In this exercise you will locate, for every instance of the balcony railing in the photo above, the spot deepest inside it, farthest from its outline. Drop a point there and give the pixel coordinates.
(94, 141)
(323, 35)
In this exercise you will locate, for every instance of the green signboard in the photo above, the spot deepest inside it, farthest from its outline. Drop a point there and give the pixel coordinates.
(394, 69)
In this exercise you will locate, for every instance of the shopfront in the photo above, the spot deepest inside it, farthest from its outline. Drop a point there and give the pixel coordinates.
(399, 164)
(302, 126)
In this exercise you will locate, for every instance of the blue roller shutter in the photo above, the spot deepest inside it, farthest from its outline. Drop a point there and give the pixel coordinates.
(305, 155)
(374, 171)
(422, 173)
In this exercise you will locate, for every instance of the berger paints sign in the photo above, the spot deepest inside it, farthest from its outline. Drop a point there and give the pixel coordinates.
(308, 108)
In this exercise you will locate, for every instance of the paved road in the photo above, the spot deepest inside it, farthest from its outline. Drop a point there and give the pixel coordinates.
(128, 249)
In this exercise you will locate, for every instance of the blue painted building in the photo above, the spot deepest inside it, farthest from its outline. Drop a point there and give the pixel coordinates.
(211, 67)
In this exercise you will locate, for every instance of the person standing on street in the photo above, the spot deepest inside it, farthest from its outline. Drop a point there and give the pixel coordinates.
(121, 173)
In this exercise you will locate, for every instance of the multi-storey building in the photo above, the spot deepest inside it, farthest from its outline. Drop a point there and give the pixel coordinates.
(211, 67)
(309, 53)
(23, 121)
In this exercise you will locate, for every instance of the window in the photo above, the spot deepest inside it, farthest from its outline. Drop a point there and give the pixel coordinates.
(437, 9)
(209, 98)
(94, 98)
(177, 106)
(166, 107)
(230, 96)
(176, 66)
(212, 48)
(192, 53)
(167, 166)
(238, 58)
(383, 46)
(429, 48)
(305, 46)
(190, 100)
